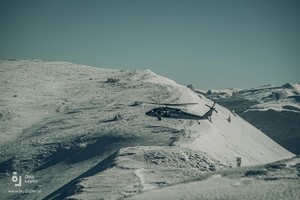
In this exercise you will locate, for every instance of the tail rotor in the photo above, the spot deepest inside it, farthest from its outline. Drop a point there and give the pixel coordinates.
(212, 108)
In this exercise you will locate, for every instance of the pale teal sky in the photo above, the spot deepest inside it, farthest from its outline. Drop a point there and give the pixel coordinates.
(208, 43)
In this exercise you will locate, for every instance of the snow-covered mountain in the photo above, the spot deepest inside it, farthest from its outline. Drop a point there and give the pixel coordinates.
(74, 131)
(274, 110)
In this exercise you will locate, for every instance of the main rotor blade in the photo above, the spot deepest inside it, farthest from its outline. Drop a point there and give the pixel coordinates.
(178, 104)
(171, 104)
(149, 102)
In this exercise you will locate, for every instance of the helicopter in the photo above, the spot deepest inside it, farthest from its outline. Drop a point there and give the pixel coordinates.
(176, 113)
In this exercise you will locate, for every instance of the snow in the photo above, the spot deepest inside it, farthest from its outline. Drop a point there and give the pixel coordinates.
(268, 182)
(267, 97)
(62, 117)
(296, 87)
(273, 109)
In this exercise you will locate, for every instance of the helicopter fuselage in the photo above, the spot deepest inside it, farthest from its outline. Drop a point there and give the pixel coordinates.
(167, 112)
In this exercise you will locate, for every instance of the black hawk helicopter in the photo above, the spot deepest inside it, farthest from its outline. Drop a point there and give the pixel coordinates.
(176, 113)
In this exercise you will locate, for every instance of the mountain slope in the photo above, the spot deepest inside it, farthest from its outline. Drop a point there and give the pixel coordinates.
(82, 121)
(274, 110)
(273, 181)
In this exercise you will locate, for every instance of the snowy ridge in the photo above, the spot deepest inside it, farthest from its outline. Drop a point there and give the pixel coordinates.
(267, 182)
(284, 98)
(273, 109)
(58, 116)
